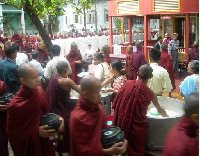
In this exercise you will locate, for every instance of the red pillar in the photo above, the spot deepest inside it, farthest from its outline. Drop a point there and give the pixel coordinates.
(130, 23)
(145, 37)
(187, 29)
(111, 33)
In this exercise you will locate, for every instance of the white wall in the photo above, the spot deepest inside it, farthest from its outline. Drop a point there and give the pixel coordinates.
(101, 6)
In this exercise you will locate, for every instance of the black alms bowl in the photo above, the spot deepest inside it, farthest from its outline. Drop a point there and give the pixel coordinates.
(52, 120)
(5, 98)
(110, 136)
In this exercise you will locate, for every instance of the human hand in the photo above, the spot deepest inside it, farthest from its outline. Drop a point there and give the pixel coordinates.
(3, 107)
(45, 132)
(117, 149)
(62, 125)
(78, 62)
(163, 113)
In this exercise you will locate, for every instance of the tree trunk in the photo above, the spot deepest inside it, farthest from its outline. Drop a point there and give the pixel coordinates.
(84, 16)
(36, 21)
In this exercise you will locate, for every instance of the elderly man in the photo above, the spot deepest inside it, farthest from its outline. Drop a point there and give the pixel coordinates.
(75, 59)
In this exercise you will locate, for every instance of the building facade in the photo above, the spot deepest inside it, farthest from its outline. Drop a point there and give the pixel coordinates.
(15, 20)
(145, 20)
(100, 9)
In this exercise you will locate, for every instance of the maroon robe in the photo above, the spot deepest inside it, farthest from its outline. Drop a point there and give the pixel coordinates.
(194, 54)
(167, 63)
(59, 102)
(76, 68)
(182, 140)
(24, 112)
(133, 62)
(130, 109)
(43, 56)
(86, 123)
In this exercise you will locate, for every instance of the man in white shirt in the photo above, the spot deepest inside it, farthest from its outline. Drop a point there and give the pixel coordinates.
(102, 68)
(160, 82)
(21, 56)
(35, 63)
(50, 70)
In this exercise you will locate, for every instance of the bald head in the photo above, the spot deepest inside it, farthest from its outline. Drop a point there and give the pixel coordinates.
(62, 67)
(145, 72)
(129, 49)
(24, 70)
(89, 83)
(192, 104)
(105, 48)
(73, 45)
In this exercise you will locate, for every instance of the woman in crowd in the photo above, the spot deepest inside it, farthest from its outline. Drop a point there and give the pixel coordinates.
(101, 67)
(191, 83)
(117, 79)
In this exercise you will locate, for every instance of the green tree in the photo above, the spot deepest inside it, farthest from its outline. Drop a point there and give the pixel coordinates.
(118, 23)
(82, 6)
(37, 9)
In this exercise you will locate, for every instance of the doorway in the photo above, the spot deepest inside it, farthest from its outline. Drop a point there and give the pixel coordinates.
(179, 28)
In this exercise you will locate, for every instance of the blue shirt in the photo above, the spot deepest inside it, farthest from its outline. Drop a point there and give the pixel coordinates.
(190, 85)
(9, 74)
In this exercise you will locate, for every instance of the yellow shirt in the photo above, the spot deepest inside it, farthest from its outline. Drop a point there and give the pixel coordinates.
(160, 82)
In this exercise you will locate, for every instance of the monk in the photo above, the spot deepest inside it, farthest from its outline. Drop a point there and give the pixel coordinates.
(87, 121)
(167, 63)
(133, 61)
(130, 109)
(26, 136)
(183, 139)
(75, 59)
(58, 97)
(43, 55)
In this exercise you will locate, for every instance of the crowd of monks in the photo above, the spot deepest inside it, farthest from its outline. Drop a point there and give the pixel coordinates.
(81, 125)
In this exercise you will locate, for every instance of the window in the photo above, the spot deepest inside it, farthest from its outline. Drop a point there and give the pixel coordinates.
(106, 16)
(91, 17)
(76, 19)
(164, 5)
(127, 6)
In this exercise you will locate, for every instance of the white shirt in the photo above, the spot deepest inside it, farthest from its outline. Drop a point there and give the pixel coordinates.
(21, 58)
(37, 66)
(102, 71)
(160, 82)
(51, 70)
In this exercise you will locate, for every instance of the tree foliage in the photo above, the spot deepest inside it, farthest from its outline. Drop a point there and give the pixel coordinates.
(41, 7)
(37, 9)
(82, 5)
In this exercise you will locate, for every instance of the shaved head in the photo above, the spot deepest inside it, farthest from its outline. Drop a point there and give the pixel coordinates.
(129, 49)
(145, 72)
(24, 70)
(88, 83)
(192, 104)
(90, 89)
(61, 67)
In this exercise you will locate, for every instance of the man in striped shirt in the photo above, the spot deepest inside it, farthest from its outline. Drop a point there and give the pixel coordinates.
(173, 51)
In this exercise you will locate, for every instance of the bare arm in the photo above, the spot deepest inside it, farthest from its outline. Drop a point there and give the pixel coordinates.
(73, 85)
(158, 107)
(107, 81)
